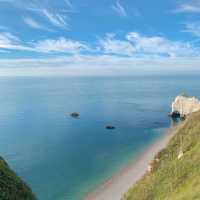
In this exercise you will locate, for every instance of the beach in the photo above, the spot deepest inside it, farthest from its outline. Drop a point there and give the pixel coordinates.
(119, 184)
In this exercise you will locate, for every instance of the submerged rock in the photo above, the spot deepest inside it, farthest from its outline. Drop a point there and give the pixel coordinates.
(75, 115)
(110, 127)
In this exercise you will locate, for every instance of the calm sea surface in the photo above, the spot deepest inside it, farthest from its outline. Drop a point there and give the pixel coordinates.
(64, 158)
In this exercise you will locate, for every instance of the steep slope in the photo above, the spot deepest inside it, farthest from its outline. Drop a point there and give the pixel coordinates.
(174, 176)
(11, 186)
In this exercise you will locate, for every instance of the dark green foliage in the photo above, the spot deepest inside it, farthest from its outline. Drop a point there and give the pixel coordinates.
(11, 186)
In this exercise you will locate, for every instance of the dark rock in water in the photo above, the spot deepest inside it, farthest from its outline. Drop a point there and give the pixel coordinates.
(110, 127)
(75, 114)
(175, 115)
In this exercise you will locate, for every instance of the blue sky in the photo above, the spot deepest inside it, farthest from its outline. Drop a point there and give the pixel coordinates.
(98, 37)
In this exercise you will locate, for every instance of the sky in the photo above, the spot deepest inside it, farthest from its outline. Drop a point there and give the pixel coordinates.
(92, 37)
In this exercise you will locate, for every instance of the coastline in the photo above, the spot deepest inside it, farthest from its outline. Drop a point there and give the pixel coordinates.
(119, 184)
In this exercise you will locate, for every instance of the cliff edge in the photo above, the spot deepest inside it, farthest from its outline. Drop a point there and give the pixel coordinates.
(11, 186)
(173, 175)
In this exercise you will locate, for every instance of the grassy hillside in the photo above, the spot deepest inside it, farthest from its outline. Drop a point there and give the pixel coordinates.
(172, 178)
(11, 186)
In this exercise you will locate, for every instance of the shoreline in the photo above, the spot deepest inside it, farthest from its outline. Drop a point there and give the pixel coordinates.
(122, 181)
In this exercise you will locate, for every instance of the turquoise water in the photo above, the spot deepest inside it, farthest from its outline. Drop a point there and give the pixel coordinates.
(64, 158)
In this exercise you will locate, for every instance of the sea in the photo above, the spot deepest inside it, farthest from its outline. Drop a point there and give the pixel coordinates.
(65, 158)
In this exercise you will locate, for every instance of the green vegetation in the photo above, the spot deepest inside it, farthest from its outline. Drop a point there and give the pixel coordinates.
(11, 186)
(172, 178)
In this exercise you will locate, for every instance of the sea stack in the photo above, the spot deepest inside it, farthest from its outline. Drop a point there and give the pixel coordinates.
(184, 105)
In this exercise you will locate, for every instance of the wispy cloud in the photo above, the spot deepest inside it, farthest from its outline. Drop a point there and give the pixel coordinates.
(69, 3)
(110, 45)
(160, 46)
(60, 45)
(133, 45)
(33, 23)
(136, 45)
(188, 6)
(193, 28)
(55, 18)
(11, 42)
(56, 13)
(120, 9)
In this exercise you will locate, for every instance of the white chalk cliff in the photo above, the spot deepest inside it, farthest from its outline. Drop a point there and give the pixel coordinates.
(185, 105)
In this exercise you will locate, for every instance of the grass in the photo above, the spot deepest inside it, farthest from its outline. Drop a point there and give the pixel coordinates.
(11, 186)
(172, 178)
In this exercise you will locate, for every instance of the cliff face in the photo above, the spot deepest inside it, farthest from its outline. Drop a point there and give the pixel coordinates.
(173, 176)
(185, 105)
(11, 186)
